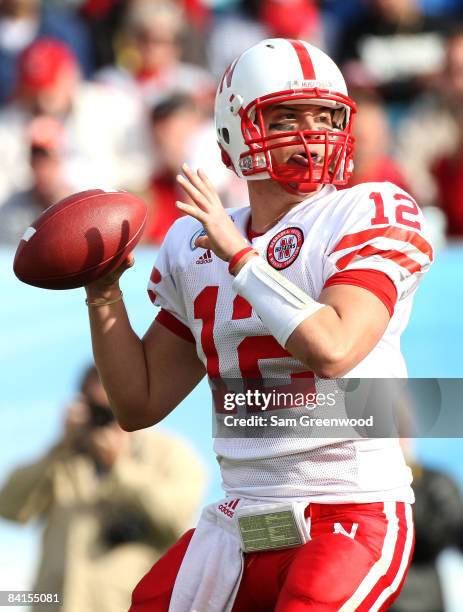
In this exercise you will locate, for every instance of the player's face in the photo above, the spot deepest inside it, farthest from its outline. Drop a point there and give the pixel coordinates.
(289, 117)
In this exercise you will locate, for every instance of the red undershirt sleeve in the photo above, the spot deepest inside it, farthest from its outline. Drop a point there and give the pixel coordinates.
(178, 328)
(373, 280)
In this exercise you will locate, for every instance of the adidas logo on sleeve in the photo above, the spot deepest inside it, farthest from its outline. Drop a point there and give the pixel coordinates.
(205, 258)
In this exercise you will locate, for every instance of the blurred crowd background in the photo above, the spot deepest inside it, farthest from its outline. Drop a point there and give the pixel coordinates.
(118, 94)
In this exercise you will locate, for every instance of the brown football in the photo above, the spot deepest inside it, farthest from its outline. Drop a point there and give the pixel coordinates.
(80, 239)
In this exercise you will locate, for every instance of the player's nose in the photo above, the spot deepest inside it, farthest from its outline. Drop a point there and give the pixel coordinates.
(308, 122)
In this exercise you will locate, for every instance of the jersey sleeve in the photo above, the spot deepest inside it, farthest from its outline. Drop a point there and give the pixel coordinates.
(163, 291)
(380, 243)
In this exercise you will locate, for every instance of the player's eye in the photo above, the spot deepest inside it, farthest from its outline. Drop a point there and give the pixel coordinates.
(324, 119)
(282, 126)
(284, 122)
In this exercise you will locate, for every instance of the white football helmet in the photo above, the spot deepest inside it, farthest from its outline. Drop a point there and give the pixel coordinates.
(276, 71)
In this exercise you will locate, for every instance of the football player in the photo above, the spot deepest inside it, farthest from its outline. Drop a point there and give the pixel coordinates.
(308, 283)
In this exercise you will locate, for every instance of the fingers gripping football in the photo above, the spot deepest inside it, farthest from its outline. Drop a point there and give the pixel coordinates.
(205, 206)
(111, 280)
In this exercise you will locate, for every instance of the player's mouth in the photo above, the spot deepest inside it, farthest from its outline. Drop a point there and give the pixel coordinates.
(301, 159)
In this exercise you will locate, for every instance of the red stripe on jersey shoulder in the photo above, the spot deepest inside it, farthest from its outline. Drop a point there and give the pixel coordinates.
(396, 233)
(156, 276)
(396, 256)
(305, 60)
(374, 281)
(168, 320)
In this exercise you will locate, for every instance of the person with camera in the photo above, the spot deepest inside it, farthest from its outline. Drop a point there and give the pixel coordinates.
(111, 503)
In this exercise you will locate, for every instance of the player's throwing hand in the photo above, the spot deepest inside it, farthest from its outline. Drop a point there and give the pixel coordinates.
(222, 235)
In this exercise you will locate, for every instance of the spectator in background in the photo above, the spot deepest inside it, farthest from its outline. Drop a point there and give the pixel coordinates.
(450, 8)
(197, 14)
(22, 22)
(111, 502)
(173, 120)
(180, 132)
(431, 129)
(51, 180)
(106, 21)
(373, 159)
(104, 129)
(397, 45)
(103, 19)
(255, 20)
(292, 19)
(438, 518)
(149, 60)
(349, 11)
(223, 44)
(448, 174)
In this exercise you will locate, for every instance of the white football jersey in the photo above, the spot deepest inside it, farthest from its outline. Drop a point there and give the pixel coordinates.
(327, 238)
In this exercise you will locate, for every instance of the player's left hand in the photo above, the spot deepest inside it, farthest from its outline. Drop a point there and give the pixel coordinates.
(222, 235)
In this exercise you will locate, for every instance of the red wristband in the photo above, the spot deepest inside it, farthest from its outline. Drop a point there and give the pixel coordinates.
(237, 256)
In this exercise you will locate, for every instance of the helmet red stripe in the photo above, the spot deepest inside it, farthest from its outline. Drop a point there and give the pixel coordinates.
(304, 59)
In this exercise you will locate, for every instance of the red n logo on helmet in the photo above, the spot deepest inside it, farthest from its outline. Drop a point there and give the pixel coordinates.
(228, 75)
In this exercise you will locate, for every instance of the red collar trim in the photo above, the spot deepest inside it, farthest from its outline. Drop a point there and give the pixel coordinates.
(251, 234)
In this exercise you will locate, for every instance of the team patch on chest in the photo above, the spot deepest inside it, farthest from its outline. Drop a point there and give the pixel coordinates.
(197, 234)
(284, 247)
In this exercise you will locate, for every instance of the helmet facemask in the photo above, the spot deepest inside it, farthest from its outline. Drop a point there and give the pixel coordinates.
(327, 153)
